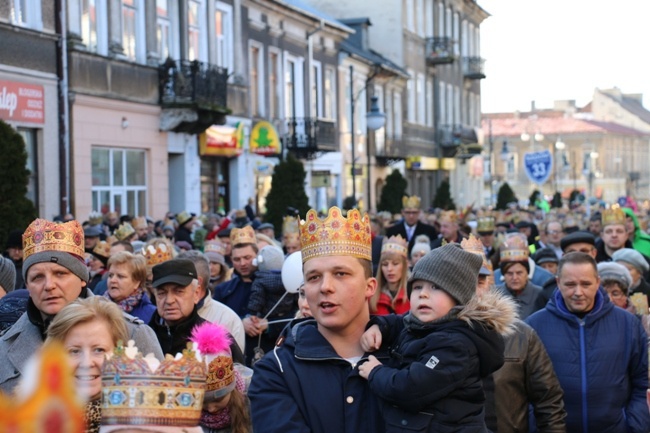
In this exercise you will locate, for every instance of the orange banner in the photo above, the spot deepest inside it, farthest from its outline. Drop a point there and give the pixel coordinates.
(22, 102)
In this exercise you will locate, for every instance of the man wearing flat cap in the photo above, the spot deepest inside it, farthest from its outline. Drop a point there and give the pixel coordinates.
(55, 275)
(583, 242)
(176, 288)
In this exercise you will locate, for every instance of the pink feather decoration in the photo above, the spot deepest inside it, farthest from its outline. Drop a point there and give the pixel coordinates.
(211, 338)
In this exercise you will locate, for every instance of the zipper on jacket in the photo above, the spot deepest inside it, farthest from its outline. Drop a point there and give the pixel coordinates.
(583, 374)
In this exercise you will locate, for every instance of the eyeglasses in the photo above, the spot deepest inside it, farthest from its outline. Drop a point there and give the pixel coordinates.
(553, 232)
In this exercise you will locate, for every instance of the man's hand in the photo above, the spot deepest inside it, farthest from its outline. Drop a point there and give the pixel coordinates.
(251, 326)
(366, 367)
(371, 339)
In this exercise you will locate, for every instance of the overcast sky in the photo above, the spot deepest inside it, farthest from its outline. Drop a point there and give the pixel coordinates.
(547, 50)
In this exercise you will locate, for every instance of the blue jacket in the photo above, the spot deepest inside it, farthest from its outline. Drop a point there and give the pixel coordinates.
(145, 309)
(305, 386)
(601, 361)
(234, 293)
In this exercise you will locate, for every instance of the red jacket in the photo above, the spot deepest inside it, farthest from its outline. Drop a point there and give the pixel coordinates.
(385, 304)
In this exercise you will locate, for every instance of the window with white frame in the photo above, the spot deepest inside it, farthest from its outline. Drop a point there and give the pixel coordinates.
(428, 18)
(420, 16)
(89, 31)
(133, 30)
(421, 116)
(316, 94)
(456, 33)
(410, 90)
(450, 105)
(26, 13)
(256, 74)
(440, 30)
(380, 134)
(465, 50)
(165, 29)
(430, 99)
(293, 86)
(329, 93)
(119, 180)
(194, 11)
(448, 18)
(409, 5)
(274, 84)
(397, 112)
(390, 116)
(224, 35)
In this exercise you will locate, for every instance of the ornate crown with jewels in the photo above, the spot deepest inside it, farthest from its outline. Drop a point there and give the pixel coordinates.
(336, 235)
(144, 391)
(395, 244)
(615, 215)
(43, 235)
(515, 248)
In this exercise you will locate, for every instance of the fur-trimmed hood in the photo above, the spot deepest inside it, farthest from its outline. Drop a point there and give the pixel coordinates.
(492, 309)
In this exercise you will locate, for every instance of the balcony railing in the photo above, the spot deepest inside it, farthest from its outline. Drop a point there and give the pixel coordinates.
(193, 84)
(439, 51)
(392, 150)
(306, 137)
(455, 135)
(473, 68)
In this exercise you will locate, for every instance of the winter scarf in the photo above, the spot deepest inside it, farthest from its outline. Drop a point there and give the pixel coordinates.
(130, 302)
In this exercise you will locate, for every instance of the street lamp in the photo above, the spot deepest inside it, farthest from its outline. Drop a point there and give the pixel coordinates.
(375, 119)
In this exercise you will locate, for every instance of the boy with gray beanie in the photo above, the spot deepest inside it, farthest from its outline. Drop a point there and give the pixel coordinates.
(442, 348)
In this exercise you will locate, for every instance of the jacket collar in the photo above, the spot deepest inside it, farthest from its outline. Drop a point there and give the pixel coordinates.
(602, 306)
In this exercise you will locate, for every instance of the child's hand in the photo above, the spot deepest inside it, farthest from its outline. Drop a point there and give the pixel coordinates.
(366, 367)
(371, 339)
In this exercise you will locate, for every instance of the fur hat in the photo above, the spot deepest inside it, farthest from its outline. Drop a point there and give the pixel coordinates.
(270, 258)
(614, 272)
(451, 269)
(7, 274)
(633, 257)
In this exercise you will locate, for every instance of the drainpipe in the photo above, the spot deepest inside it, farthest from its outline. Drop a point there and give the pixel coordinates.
(64, 107)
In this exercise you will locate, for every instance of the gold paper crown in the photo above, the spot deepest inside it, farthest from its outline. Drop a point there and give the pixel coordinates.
(514, 248)
(141, 391)
(183, 217)
(95, 218)
(412, 202)
(103, 249)
(395, 244)
(615, 215)
(336, 235)
(52, 405)
(290, 225)
(245, 235)
(289, 237)
(448, 216)
(475, 246)
(221, 373)
(215, 247)
(43, 235)
(157, 254)
(124, 231)
(485, 224)
(139, 222)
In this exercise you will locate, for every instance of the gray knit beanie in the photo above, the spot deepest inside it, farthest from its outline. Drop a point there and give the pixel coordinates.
(451, 269)
(7, 274)
(270, 258)
(67, 260)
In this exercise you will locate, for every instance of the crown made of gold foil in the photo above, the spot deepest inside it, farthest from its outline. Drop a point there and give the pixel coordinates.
(124, 231)
(183, 217)
(290, 225)
(245, 235)
(475, 246)
(103, 249)
(43, 235)
(485, 224)
(215, 247)
(336, 235)
(140, 390)
(156, 254)
(221, 374)
(139, 222)
(51, 404)
(395, 244)
(95, 218)
(412, 202)
(514, 248)
(448, 216)
(615, 215)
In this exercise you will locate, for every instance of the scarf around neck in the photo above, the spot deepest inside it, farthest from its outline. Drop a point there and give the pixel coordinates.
(130, 302)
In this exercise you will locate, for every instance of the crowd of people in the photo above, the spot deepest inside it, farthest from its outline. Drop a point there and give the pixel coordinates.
(443, 321)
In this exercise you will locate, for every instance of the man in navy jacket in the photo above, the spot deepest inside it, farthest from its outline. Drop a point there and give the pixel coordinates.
(599, 352)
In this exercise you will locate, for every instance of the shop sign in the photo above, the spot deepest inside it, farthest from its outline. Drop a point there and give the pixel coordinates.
(222, 140)
(22, 102)
(265, 139)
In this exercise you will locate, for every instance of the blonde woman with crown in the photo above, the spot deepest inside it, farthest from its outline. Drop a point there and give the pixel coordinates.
(392, 276)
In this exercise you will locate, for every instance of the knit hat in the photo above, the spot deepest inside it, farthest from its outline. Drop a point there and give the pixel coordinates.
(7, 274)
(270, 258)
(614, 272)
(545, 255)
(420, 247)
(451, 269)
(633, 257)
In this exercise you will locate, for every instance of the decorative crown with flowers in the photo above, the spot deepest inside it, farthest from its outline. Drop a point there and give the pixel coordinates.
(336, 235)
(514, 248)
(50, 402)
(412, 202)
(245, 235)
(140, 390)
(124, 231)
(395, 244)
(157, 253)
(43, 235)
(615, 215)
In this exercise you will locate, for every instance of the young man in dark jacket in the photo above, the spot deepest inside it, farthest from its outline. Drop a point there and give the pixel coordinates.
(310, 381)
